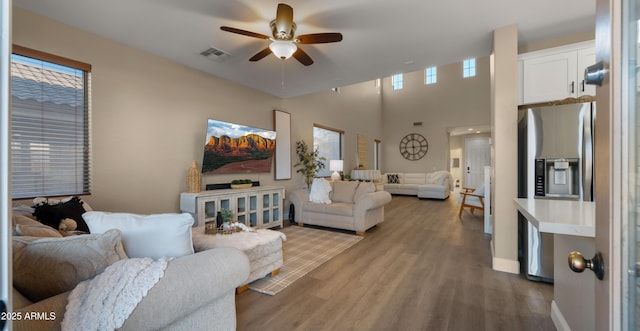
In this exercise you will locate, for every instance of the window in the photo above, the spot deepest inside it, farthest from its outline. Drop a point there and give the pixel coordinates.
(328, 141)
(469, 68)
(431, 75)
(49, 125)
(396, 80)
(376, 154)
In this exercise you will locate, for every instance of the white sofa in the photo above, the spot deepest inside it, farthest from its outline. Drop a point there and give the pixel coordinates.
(354, 206)
(434, 185)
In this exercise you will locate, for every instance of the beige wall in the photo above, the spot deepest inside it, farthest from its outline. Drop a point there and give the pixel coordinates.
(452, 102)
(149, 116)
(354, 109)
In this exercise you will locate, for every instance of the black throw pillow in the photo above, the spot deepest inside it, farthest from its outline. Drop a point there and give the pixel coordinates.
(51, 215)
(393, 179)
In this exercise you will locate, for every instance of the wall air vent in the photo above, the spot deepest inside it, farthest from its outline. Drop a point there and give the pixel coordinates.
(215, 54)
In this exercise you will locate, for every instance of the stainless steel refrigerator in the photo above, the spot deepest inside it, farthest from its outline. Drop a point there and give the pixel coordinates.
(555, 161)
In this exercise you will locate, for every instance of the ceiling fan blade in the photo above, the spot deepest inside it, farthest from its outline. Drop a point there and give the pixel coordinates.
(244, 32)
(320, 38)
(303, 57)
(284, 20)
(260, 55)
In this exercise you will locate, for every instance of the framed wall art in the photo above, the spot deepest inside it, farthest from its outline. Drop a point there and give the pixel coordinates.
(282, 123)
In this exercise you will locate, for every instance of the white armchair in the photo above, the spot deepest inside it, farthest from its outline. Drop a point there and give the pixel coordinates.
(472, 198)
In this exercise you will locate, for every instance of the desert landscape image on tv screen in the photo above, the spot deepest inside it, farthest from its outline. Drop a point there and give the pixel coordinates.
(235, 148)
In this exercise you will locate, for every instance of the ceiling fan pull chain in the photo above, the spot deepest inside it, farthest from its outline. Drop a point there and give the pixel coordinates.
(282, 71)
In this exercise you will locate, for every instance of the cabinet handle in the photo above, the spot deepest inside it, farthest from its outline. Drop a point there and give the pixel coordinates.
(582, 85)
(573, 83)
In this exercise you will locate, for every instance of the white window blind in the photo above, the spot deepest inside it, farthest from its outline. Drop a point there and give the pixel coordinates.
(49, 126)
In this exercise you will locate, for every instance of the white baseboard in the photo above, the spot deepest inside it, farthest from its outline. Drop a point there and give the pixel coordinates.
(505, 265)
(558, 319)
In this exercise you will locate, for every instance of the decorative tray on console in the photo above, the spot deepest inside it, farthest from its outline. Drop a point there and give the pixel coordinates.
(226, 228)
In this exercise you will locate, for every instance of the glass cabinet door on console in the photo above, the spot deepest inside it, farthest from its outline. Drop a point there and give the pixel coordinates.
(210, 209)
(266, 209)
(241, 209)
(276, 208)
(253, 210)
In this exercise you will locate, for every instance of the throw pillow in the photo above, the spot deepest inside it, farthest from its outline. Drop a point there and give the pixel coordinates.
(344, 191)
(46, 267)
(319, 192)
(53, 201)
(51, 214)
(151, 236)
(393, 179)
(25, 226)
(363, 188)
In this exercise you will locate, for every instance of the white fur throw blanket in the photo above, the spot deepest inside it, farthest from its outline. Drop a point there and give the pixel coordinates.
(319, 192)
(106, 301)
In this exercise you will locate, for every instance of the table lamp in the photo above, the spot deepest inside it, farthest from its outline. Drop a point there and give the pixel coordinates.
(335, 166)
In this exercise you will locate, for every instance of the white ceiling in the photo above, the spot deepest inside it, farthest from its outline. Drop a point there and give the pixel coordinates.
(381, 37)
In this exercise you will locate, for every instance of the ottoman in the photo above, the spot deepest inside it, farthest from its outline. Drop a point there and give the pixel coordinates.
(262, 247)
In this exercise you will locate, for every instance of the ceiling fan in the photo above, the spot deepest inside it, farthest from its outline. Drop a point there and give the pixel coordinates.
(283, 40)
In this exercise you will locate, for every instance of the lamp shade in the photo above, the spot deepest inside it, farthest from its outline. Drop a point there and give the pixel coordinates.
(335, 165)
(283, 49)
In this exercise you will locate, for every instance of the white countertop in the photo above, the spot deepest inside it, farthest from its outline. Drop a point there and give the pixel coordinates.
(575, 218)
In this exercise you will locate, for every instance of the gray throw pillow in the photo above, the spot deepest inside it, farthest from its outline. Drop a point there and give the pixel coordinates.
(46, 267)
(344, 191)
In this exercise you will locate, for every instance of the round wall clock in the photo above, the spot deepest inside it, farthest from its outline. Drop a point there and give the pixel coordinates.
(414, 146)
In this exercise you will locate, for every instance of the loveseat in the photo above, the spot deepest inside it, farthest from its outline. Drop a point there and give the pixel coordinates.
(196, 291)
(352, 205)
(434, 185)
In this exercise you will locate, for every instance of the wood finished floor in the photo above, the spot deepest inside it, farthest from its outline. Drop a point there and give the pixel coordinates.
(422, 269)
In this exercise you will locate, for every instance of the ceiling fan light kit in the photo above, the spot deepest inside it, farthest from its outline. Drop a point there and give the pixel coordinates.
(283, 49)
(283, 40)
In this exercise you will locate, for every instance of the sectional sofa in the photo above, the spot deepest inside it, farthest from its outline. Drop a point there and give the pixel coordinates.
(434, 185)
(196, 292)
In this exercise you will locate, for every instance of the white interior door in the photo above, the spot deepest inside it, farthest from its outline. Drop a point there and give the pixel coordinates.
(477, 156)
(615, 165)
(629, 267)
(5, 194)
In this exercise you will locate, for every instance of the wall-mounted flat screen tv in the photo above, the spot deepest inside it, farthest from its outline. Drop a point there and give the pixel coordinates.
(234, 148)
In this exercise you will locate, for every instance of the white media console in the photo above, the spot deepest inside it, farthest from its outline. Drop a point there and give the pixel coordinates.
(258, 206)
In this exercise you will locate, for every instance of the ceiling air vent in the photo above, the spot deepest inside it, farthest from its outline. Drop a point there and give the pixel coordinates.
(215, 54)
(417, 123)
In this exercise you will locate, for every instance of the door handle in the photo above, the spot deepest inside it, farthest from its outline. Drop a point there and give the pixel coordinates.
(594, 74)
(468, 170)
(577, 263)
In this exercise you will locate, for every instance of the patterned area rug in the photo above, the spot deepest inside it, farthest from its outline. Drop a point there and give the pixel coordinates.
(304, 250)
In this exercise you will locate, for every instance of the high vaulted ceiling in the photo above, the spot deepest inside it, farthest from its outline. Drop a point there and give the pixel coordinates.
(381, 37)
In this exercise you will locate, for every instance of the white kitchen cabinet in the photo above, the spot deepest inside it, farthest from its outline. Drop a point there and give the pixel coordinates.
(258, 206)
(556, 73)
(586, 57)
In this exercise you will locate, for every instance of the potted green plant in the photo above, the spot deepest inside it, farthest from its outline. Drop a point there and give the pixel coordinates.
(241, 183)
(227, 215)
(309, 161)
